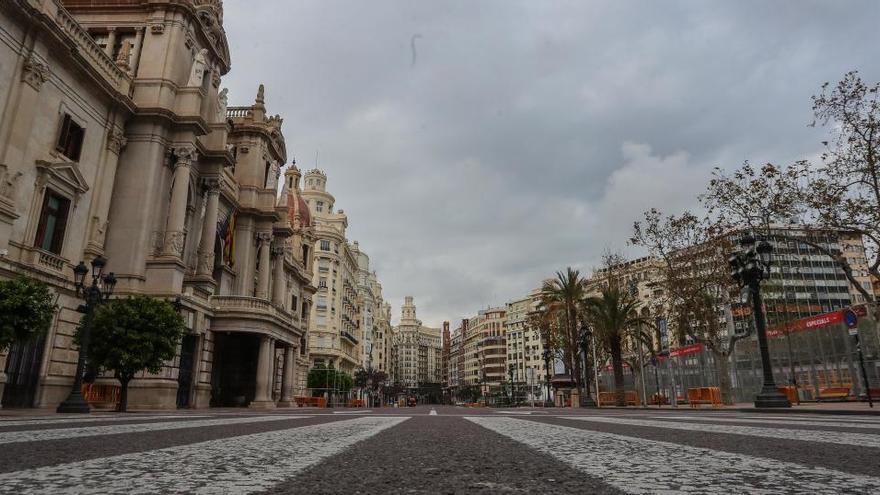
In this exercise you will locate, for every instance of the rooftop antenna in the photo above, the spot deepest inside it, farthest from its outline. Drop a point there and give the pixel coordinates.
(316, 158)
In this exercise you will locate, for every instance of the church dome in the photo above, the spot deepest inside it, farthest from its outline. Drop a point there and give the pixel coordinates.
(297, 206)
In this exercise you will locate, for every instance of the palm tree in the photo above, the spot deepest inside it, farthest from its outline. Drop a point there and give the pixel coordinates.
(562, 297)
(615, 320)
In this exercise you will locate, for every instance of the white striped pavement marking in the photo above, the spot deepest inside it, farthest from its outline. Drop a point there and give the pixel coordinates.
(638, 465)
(838, 437)
(362, 411)
(91, 431)
(239, 465)
(524, 413)
(781, 421)
(816, 417)
(54, 420)
(432, 413)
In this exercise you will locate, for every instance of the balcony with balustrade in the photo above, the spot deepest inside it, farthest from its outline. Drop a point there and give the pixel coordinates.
(257, 316)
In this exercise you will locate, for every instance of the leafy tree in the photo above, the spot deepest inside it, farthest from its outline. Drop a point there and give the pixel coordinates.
(561, 298)
(844, 193)
(369, 379)
(469, 393)
(132, 335)
(615, 320)
(841, 194)
(328, 378)
(26, 310)
(695, 281)
(320, 377)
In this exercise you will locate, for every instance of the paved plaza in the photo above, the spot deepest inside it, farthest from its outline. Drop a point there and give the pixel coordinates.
(440, 449)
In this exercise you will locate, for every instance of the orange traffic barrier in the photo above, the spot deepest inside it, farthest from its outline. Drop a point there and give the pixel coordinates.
(704, 395)
(310, 401)
(630, 398)
(833, 393)
(96, 394)
(790, 393)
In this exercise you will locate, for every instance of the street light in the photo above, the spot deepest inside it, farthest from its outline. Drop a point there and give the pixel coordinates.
(584, 343)
(749, 267)
(546, 344)
(98, 292)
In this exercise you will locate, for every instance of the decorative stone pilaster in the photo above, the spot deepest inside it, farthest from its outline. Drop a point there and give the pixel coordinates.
(34, 72)
(209, 229)
(136, 52)
(111, 41)
(175, 235)
(278, 281)
(265, 240)
(116, 141)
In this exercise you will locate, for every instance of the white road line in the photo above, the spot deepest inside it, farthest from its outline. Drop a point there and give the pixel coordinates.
(362, 411)
(90, 431)
(839, 437)
(525, 413)
(239, 465)
(816, 417)
(781, 421)
(638, 465)
(432, 413)
(55, 420)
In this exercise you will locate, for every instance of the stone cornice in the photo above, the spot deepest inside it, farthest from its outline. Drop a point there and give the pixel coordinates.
(206, 17)
(262, 129)
(67, 36)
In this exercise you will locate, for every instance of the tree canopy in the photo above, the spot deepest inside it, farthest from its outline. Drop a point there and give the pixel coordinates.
(132, 335)
(26, 310)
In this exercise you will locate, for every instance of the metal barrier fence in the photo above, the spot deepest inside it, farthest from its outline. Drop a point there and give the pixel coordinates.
(812, 354)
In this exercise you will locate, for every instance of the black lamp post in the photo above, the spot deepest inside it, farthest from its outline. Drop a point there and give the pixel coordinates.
(510, 376)
(99, 291)
(584, 344)
(547, 356)
(749, 267)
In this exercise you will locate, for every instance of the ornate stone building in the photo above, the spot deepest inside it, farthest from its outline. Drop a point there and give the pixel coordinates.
(382, 342)
(335, 334)
(417, 351)
(374, 317)
(525, 348)
(116, 141)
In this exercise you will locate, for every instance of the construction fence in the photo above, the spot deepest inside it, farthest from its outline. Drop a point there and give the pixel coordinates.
(812, 354)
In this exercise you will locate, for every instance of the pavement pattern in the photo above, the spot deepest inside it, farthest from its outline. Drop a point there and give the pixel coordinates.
(439, 450)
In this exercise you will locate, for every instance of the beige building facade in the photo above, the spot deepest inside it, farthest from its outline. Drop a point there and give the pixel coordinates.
(336, 332)
(127, 149)
(525, 347)
(416, 350)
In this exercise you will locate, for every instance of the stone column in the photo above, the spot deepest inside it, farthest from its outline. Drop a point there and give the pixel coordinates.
(265, 239)
(287, 377)
(209, 229)
(278, 281)
(262, 392)
(136, 51)
(111, 42)
(174, 229)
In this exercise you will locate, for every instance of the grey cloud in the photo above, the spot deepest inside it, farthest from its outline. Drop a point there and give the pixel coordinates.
(529, 135)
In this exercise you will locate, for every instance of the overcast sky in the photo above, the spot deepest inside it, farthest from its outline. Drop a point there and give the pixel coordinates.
(523, 137)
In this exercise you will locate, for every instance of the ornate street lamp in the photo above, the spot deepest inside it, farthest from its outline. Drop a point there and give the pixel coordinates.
(749, 267)
(99, 291)
(547, 355)
(584, 344)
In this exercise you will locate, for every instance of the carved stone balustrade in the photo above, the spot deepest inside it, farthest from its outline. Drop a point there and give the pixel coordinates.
(254, 315)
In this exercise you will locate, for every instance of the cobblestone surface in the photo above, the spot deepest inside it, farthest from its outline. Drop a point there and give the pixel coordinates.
(439, 450)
